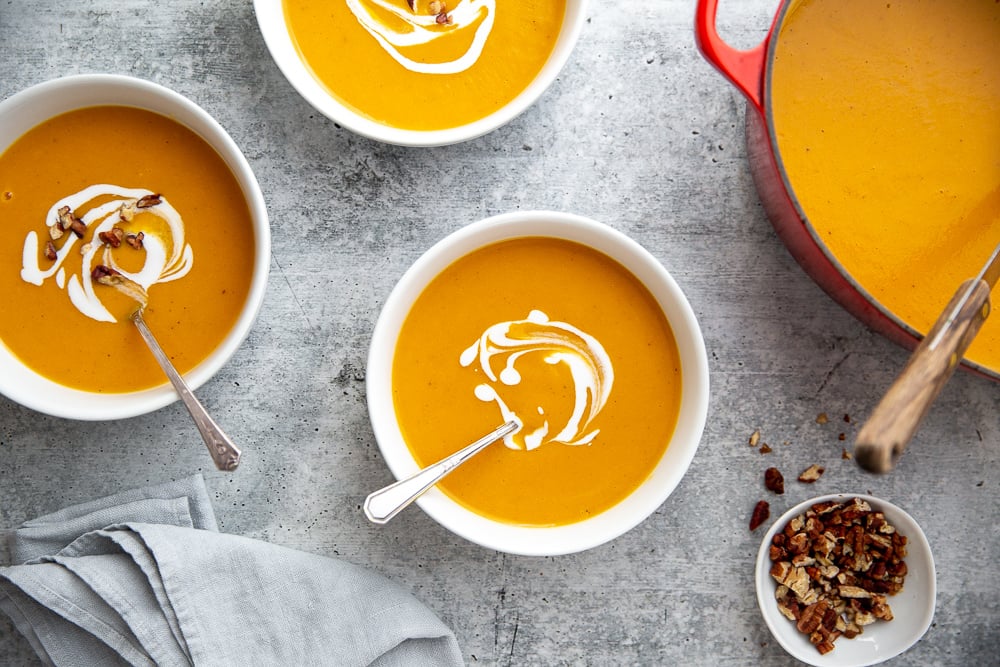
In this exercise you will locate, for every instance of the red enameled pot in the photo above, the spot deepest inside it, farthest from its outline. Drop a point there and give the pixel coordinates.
(749, 72)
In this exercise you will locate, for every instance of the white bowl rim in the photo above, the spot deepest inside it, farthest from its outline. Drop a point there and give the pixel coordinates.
(601, 528)
(866, 650)
(270, 18)
(26, 387)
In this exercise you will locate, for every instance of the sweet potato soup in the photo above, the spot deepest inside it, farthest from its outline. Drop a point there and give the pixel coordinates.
(561, 339)
(107, 197)
(887, 116)
(429, 66)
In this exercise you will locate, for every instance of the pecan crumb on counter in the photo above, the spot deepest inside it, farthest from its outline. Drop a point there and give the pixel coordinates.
(774, 481)
(821, 418)
(811, 474)
(835, 565)
(761, 513)
(754, 438)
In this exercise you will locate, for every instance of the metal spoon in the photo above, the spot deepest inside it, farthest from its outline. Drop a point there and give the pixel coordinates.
(225, 454)
(388, 502)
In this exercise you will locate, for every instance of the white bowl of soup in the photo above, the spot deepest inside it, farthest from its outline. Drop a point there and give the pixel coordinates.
(116, 174)
(420, 72)
(568, 328)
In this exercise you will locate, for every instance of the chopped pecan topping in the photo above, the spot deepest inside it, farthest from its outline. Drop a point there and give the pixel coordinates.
(443, 18)
(411, 4)
(65, 217)
(774, 481)
(135, 240)
(835, 566)
(761, 513)
(127, 211)
(148, 201)
(69, 221)
(56, 232)
(435, 7)
(105, 275)
(113, 238)
(811, 474)
(50, 251)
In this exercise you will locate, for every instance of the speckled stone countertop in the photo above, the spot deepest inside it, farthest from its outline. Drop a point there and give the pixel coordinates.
(638, 132)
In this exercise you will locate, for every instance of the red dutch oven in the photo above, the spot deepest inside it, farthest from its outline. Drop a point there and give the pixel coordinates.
(748, 71)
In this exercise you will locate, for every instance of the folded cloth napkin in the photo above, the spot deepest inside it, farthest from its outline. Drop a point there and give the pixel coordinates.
(145, 578)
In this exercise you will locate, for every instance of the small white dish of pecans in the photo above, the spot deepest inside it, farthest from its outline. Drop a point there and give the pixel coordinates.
(846, 580)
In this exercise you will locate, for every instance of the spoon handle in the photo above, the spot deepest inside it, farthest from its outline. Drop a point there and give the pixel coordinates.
(883, 438)
(388, 502)
(224, 453)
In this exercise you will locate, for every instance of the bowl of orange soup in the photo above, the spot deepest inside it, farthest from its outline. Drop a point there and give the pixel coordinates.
(568, 328)
(420, 72)
(111, 175)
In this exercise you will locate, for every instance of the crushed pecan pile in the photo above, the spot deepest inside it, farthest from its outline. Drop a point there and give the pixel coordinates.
(835, 566)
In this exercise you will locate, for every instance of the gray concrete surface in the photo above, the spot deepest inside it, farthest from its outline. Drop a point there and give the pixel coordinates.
(639, 133)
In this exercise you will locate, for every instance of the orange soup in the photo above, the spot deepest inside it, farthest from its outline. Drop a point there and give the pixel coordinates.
(424, 64)
(559, 338)
(887, 117)
(127, 193)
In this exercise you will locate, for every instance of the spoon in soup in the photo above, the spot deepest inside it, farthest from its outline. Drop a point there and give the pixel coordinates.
(225, 454)
(386, 503)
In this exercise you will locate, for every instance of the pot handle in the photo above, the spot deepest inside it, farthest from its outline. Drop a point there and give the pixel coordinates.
(745, 69)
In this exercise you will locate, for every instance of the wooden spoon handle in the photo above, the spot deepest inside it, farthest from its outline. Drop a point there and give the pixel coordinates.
(883, 438)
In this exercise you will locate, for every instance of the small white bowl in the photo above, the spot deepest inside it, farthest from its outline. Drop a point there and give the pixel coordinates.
(271, 18)
(543, 541)
(912, 608)
(32, 106)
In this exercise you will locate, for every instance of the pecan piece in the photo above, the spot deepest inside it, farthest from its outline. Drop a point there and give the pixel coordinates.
(50, 251)
(761, 513)
(113, 238)
(135, 240)
(774, 481)
(105, 275)
(811, 474)
(148, 201)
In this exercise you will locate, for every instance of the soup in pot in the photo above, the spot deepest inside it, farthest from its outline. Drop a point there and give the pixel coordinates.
(562, 340)
(887, 120)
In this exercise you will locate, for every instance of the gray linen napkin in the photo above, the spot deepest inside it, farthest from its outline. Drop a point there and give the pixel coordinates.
(145, 578)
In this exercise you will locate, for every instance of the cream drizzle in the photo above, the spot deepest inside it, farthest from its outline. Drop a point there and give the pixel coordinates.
(424, 29)
(505, 343)
(166, 258)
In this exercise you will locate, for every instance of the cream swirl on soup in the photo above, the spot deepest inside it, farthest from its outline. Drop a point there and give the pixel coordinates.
(502, 346)
(402, 31)
(166, 255)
